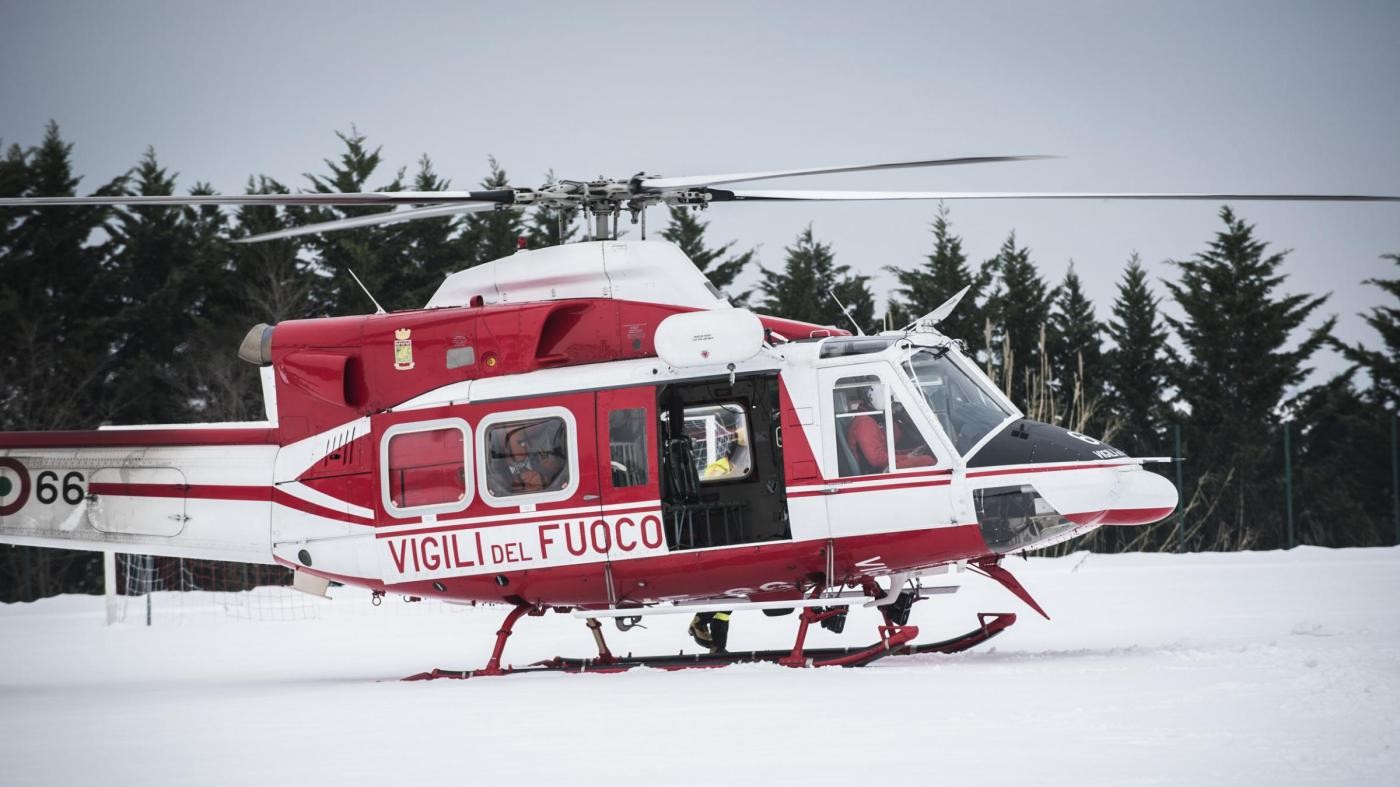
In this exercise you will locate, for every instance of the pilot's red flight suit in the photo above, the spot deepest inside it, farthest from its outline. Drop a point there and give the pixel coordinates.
(866, 438)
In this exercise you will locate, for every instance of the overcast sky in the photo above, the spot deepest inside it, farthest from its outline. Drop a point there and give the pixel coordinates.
(1184, 96)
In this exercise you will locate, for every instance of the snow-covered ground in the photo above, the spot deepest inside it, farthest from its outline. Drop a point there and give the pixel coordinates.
(1258, 668)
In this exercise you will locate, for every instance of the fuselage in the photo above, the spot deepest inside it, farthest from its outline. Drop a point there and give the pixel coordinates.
(543, 452)
(420, 499)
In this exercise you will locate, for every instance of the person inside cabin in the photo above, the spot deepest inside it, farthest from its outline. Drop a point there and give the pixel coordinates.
(733, 461)
(548, 452)
(519, 473)
(865, 435)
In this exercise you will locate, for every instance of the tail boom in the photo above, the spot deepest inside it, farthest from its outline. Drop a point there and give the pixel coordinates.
(198, 493)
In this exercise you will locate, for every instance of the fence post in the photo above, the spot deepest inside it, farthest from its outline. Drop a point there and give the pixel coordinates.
(150, 584)
(1288, 482)
(1180, 490)
(1395, 473)
(109, 585)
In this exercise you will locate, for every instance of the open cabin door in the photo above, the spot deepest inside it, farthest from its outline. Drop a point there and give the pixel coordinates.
(721, 463)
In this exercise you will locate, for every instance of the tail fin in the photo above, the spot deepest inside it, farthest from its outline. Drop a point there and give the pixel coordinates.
(203, 491)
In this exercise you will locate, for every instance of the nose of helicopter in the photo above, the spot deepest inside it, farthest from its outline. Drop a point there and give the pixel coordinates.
(1101, 485)
(1142, 497)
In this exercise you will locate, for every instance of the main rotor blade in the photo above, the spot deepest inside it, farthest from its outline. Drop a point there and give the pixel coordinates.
(374, 220)
(495, 197)
(737, 177)
(722, 195)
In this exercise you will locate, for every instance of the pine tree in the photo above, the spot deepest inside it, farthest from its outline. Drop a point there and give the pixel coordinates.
(57, 299)
(371, 252)
(214, 382)
(802, 290)
(493, 234)
(1076, 353)
(278, 283)
(687, 231)
(160, 290)
(1018, 310)
(14, 179)
(242, 284)
(1135, 370)
(1341, 466)
(1233, 375)
(943, 274)
(428, 247)
(1382, 365)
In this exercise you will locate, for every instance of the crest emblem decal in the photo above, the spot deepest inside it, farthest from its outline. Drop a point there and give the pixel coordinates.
(403, 349)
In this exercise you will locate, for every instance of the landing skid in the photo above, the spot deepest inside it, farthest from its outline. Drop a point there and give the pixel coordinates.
(895, 641)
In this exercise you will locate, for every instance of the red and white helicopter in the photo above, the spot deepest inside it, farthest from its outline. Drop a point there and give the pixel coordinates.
(593, 428)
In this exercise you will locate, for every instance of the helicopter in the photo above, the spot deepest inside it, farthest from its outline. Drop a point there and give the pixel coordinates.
(593, 429)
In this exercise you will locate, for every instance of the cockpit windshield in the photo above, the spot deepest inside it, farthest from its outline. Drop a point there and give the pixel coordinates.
(964, 409)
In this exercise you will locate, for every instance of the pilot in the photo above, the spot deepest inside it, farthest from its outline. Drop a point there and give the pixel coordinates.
(549, 461)
(518, 473)
(865, 434)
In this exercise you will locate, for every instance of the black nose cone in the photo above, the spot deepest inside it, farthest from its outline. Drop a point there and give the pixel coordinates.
(1032, 442)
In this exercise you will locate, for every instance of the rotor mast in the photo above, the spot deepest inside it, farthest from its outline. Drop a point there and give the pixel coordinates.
(603, 201)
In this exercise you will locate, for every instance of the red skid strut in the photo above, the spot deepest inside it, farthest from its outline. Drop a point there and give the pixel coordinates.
(994, 570)
(605, 656)
(493, 667)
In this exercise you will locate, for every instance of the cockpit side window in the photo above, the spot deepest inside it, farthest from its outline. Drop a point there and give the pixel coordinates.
(964, 410)
(864, 411)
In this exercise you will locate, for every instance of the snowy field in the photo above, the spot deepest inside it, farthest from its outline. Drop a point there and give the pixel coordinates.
(1258, 668)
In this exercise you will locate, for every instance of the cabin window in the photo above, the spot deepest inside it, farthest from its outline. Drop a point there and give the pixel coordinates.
(864, 409)
(966, 409)
(627, 440)
(425, 467)
(719, 442)
(529, 457)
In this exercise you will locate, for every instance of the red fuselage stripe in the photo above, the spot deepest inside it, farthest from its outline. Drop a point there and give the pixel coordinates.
(845, 484)
(1034, 469)
(886, 476)
(841, 489)
(133, 438)
(201, 491)
(1121, 516)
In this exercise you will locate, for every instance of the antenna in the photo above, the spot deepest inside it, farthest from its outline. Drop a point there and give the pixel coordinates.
(937, 315)
(377, 308)
(844, 310)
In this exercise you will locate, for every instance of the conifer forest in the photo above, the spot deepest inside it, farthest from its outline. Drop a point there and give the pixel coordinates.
(128, 316)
